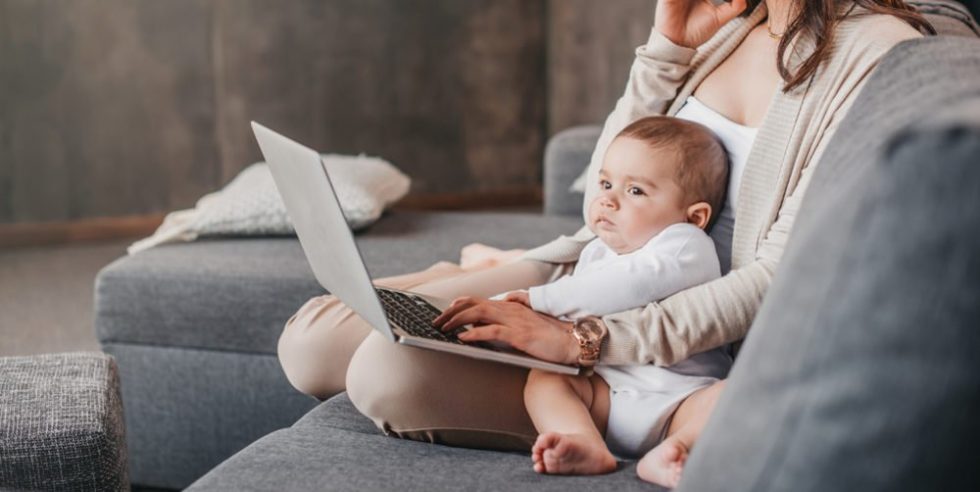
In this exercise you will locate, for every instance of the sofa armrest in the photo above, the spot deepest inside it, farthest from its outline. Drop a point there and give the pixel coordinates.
(567, 155)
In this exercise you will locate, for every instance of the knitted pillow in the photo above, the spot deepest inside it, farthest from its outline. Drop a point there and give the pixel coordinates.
(250, 204)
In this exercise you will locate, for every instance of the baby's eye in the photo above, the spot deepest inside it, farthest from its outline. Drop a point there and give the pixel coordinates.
(604, 184)
(633, 190)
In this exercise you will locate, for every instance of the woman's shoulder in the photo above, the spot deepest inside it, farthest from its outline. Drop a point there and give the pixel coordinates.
(865, 33)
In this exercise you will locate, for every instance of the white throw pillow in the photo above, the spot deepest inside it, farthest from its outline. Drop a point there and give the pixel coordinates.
(250, 204)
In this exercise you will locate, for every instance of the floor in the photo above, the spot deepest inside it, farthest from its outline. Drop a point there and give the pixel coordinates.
(46, 296)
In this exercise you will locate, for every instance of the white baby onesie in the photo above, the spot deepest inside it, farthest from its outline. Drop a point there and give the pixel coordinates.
(604, 282)
(642, 397)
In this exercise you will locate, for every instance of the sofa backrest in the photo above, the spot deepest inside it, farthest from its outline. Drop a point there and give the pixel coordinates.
(949, 17)
(861, 369)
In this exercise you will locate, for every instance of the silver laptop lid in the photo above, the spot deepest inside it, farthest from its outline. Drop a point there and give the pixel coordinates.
(319, 221)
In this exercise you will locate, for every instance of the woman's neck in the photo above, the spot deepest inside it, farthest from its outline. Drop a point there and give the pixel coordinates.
(780, 14)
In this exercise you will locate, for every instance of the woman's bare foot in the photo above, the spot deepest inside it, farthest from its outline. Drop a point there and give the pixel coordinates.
(664, 464)
(571, 454)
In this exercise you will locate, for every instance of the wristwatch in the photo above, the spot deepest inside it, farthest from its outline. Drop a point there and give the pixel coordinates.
(589, 331)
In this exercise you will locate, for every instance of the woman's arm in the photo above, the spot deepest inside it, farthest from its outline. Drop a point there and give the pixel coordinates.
(721, 311)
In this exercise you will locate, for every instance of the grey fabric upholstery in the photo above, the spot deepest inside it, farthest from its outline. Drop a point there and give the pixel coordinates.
(61, 423)
(235, 294)
(566, 156)
(335, 448)
(950, 18)
(860, 372)
(189, 409)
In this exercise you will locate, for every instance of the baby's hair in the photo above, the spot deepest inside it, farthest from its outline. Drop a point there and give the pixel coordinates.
(702, 171)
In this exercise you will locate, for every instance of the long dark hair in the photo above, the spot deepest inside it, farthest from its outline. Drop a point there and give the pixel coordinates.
(818, 19)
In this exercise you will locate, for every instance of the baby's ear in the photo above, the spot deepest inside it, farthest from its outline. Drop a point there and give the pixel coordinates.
(699, 214)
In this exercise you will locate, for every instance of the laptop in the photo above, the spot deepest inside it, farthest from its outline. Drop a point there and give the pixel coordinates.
(401, 316)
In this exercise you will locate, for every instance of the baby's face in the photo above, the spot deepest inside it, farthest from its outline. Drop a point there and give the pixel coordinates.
(638, 195)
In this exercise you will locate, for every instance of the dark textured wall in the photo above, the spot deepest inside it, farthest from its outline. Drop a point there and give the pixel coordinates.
(120, 107)
(113, 107)
(591, 46)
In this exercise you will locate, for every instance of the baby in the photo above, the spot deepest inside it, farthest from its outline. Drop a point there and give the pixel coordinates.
(662, 182)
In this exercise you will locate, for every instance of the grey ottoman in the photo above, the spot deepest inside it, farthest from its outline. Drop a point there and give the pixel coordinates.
(61, 423)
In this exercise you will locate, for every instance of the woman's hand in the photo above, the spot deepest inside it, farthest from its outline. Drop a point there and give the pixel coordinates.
(519, 326)
(690, 23)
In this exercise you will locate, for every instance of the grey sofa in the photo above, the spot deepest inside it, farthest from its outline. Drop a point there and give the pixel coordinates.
(194, 327)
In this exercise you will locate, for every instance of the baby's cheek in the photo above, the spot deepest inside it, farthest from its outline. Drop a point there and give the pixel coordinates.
(592, 206)
(593, 210)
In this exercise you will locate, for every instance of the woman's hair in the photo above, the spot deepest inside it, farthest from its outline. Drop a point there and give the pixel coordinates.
(702, 162)
(817, 19)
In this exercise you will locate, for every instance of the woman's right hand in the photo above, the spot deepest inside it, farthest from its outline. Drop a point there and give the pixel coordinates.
(690, 23)
(513, 323)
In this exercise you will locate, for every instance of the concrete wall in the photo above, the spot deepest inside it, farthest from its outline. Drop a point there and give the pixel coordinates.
(591, 46)
(120, 107)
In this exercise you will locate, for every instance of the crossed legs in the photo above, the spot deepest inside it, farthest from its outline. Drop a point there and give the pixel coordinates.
(317, 343)
(409, 392)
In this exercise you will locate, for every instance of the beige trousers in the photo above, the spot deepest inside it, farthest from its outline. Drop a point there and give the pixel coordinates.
(409, 392)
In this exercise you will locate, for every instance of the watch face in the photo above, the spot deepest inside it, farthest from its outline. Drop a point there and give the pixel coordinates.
(590, 328)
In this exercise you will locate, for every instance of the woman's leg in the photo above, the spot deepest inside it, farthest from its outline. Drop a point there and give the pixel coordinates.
(664, 464)
(318, 342)
(439, 397)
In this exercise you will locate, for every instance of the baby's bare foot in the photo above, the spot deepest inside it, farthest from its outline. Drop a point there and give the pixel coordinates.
(664, 464)
(571, 454)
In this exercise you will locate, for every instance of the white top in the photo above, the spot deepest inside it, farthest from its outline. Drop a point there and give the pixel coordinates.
(605, 282)
(738, 141)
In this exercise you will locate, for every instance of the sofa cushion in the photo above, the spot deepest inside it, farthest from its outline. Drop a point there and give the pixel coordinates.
(188, 410)
(948, 17)
(860, 372)
(335, 448)
(236, 294)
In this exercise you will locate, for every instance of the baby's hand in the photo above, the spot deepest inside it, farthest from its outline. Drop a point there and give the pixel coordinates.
(518, 296)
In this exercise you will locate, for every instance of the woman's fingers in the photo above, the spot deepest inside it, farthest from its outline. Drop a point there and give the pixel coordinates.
(475, 314)
(486, 333)
(458, 304)
(729, 10)
(513, 323)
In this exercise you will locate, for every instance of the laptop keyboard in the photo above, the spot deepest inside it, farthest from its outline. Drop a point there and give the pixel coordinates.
(414, 315)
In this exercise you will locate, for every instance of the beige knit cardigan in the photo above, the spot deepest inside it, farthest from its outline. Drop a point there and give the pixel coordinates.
(792, 137)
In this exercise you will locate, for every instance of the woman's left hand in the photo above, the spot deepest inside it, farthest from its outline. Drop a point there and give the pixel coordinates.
(519, 326)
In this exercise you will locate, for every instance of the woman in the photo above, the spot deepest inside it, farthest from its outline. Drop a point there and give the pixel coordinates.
(785, 72)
